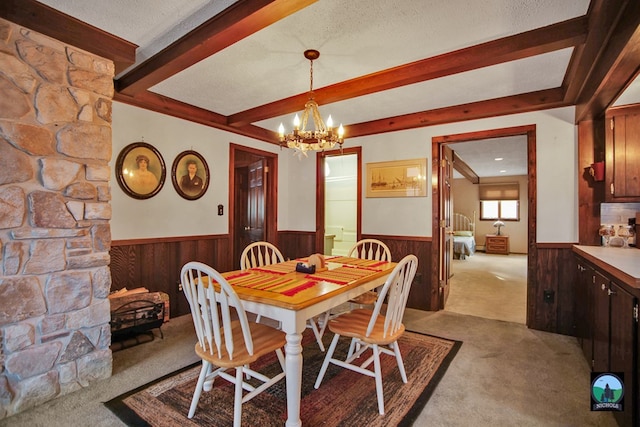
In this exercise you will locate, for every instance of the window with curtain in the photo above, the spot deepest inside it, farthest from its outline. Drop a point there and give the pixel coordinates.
(500, 201)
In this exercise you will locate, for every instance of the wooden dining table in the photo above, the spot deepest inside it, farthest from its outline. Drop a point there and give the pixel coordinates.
(279, 292)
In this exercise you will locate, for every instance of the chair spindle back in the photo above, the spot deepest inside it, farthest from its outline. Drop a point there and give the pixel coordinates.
(211, 308)
(372, 249)
(259, 254)
(396, 289)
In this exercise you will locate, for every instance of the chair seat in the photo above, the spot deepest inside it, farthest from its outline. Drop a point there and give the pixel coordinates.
(265, 340)
(354, 325)
(368, 298)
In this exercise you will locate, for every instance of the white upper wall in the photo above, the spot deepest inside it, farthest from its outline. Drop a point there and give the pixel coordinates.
(556, 143)
(167, 214)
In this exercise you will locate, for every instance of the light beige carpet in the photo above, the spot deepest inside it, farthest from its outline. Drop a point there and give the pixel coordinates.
(490, 286)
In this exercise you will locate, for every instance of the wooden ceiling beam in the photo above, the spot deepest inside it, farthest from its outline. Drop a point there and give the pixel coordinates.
(530, 43)
(601, 16)
(238, 21)
(616, 68)
(171, 107)
(464, 169)
(532, 101)
(39, 17)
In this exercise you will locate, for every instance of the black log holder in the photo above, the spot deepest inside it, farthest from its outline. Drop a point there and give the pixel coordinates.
(133, 323)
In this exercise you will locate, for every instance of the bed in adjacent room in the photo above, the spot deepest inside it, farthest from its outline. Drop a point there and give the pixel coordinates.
(464, 240)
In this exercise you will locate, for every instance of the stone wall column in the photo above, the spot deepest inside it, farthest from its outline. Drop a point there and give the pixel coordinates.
(55, 148)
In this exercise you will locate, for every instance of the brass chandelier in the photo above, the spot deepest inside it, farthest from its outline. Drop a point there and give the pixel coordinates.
(322, 137)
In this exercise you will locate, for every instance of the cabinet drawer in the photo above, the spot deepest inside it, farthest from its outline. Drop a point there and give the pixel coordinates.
(497, 244)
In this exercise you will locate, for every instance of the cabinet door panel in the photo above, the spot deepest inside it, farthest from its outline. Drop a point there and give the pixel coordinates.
(601, 323)
(623, 155)
(584, 309)
(623, 332)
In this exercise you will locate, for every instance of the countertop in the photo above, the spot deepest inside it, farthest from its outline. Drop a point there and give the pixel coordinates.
(623, 264)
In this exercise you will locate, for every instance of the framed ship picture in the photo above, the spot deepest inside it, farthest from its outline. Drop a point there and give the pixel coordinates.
(400, 178)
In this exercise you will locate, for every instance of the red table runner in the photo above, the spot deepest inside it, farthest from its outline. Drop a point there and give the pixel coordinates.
(288, 286)
(361, 263)
(341, 275)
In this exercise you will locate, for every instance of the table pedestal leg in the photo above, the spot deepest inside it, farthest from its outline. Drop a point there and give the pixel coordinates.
(293, 366)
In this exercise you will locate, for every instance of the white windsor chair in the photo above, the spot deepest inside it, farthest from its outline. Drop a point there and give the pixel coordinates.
(370, 329)
(226, 342)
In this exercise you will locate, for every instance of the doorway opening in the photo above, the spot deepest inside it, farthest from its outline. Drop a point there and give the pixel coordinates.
(338, 200)
(442, 217)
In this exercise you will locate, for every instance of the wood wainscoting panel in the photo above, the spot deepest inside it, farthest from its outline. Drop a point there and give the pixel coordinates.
(555, 274)
(296, 244)
(156, 263)
(423, 294)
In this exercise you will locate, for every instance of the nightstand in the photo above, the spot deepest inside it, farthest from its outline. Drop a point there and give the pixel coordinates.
(497, 244)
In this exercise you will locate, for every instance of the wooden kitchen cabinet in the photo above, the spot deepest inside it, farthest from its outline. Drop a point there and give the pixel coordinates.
(622, 154)
(583, 309)
(607, 327)
(496, 244)
(623, 336)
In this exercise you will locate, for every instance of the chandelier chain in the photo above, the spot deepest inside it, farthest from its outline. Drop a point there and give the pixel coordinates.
(311, 78)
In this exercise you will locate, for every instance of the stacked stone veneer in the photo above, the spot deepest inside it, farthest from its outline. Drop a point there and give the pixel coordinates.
(55, 145)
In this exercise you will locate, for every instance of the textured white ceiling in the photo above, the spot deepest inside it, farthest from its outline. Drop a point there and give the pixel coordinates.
(359, 37)
(354, 37)
(511, 152)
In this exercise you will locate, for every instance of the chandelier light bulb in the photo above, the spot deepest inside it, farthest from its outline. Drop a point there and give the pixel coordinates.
(296, 122)
(340, 131)
(329, 122)
(281, 131)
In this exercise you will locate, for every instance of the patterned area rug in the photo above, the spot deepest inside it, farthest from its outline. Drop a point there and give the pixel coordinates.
(345, 398)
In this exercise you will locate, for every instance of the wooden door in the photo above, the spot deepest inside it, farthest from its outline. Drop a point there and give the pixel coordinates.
(241, 205)
(253, 209)
(446, 241)
(249, 205)
(255, 202)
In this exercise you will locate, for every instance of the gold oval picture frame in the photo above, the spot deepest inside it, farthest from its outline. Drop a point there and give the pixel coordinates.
(190, 175)
(140, 170)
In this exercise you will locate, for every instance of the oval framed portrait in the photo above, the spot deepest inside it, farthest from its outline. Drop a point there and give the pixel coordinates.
(140, 170)
(190, 175)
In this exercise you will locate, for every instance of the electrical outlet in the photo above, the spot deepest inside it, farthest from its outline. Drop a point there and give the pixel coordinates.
(179, 287)
(549, 296)
(220, 210)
